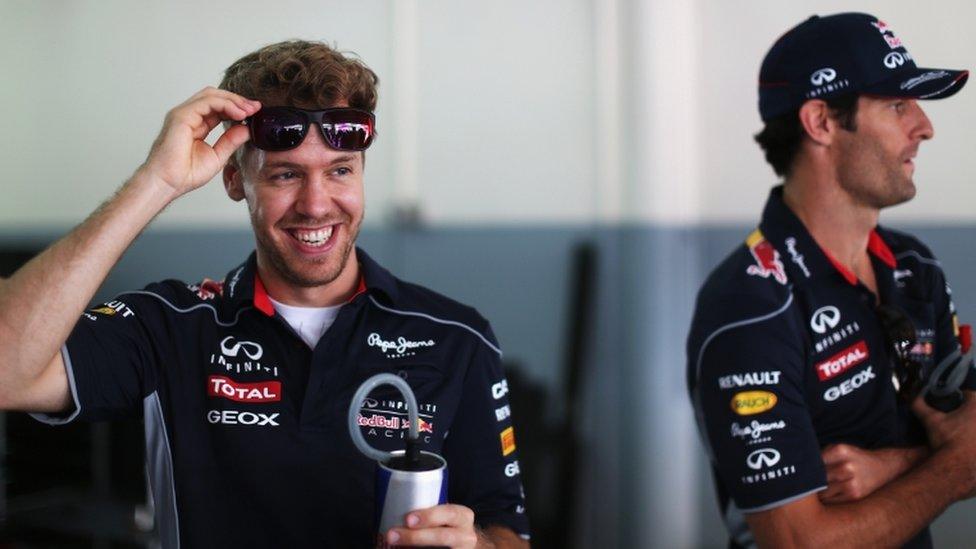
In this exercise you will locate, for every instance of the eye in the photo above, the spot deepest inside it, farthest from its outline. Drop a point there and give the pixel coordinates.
(898, 106)
(342, 171)
(284, 176)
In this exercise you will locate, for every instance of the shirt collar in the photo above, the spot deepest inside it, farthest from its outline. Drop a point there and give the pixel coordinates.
(243, 285)
(804, 258)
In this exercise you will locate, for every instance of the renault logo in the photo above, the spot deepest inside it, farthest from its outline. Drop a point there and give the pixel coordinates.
(762, 458)
(825, 318)
(823, 76)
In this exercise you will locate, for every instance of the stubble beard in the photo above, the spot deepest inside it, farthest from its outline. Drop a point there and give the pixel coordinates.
(313, 276)
(872, 177)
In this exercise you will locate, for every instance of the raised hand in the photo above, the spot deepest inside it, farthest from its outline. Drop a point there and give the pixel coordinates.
(180, 157)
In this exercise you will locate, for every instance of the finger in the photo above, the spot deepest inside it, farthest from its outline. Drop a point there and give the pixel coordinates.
(436, 537)
(211, 91)
(834, 453)
(440, 515)
(838, 474)
(213, 108)
(924, 412)
(230, 141)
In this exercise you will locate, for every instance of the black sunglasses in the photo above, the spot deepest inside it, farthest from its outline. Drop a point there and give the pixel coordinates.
(283, 128)
(899, 332)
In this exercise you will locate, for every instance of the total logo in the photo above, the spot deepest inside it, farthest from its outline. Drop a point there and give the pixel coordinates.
(748, 403)
(224, 387)
(848, 386)
(512, 469)
(235, 417)
(241, 356)
(842, 361)
(825, 318)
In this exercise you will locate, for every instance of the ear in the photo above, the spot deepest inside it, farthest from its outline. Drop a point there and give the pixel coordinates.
(234, 181)
(817, 122)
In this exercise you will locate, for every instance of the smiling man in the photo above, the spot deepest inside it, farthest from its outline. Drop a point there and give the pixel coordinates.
(244, 383)
(816, 341)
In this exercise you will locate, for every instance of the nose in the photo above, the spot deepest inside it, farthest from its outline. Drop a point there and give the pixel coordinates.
(922, 128)
(314, 199)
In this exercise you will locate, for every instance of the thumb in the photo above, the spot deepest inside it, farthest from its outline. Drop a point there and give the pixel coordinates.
(230, 141)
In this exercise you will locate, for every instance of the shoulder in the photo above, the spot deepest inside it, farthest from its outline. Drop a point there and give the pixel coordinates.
(421, 304)
(739, 290)
(176, 297)
(907, 247)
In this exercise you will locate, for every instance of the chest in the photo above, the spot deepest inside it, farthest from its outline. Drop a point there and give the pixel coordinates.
(848, 377)
(257, 389)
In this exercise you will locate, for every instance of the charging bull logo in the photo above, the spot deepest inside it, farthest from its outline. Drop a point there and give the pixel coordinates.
(767, 258)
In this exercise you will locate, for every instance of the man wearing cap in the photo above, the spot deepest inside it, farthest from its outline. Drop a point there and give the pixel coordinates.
(244, 384)
(812, 342)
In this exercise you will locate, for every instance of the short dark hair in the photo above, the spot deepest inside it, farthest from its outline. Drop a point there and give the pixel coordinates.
(781, 137)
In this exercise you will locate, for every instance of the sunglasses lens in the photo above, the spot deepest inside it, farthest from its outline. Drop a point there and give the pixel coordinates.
(277, 129)
(348, 129)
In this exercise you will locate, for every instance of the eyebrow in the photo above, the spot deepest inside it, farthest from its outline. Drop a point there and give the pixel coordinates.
(286, 164)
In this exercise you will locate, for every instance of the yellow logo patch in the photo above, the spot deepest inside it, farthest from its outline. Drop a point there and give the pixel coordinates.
(748, 403)
(508, 441)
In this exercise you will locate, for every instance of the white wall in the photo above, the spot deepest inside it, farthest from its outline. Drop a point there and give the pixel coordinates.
(502, 100)
(551, 111)
(736, 35)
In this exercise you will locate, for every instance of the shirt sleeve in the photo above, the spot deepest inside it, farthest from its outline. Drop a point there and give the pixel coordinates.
(752, 413)
(946, 322)
(482, 461)
(109, 361)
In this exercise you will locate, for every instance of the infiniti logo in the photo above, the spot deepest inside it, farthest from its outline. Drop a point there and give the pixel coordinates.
(823, 76)
(893, 60)
(825, 318)
(764, 457)
(251, 349)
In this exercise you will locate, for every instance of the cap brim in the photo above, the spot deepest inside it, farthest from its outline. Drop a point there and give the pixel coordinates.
(921, 84)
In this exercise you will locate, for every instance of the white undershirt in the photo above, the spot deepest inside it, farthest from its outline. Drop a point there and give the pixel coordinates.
(309, 322)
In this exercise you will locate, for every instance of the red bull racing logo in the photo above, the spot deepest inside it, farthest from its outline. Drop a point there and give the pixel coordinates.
(767, 259)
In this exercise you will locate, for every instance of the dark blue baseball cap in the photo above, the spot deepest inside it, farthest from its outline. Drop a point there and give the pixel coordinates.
(845, 53)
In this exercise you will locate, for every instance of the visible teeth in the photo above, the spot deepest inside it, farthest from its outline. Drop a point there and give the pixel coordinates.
(314, 238)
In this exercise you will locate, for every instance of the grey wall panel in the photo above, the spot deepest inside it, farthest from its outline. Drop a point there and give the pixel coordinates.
(642, 459)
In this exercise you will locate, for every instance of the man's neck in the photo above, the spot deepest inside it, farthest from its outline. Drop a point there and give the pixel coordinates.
(338, 291)
(838, 224)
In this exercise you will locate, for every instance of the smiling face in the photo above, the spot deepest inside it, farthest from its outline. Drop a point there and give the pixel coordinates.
(875, 162)
(306, 206)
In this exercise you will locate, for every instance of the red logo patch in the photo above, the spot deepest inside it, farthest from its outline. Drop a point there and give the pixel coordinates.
(842, 361)
(225, 387)
(767, 259)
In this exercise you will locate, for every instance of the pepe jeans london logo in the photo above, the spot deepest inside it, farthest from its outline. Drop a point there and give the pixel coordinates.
(398, 348)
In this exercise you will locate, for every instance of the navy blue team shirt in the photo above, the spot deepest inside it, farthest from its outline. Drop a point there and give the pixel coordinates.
(786, 355)
(246, 433)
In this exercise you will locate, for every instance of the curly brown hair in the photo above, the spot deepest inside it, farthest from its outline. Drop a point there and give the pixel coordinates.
(303, 74)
